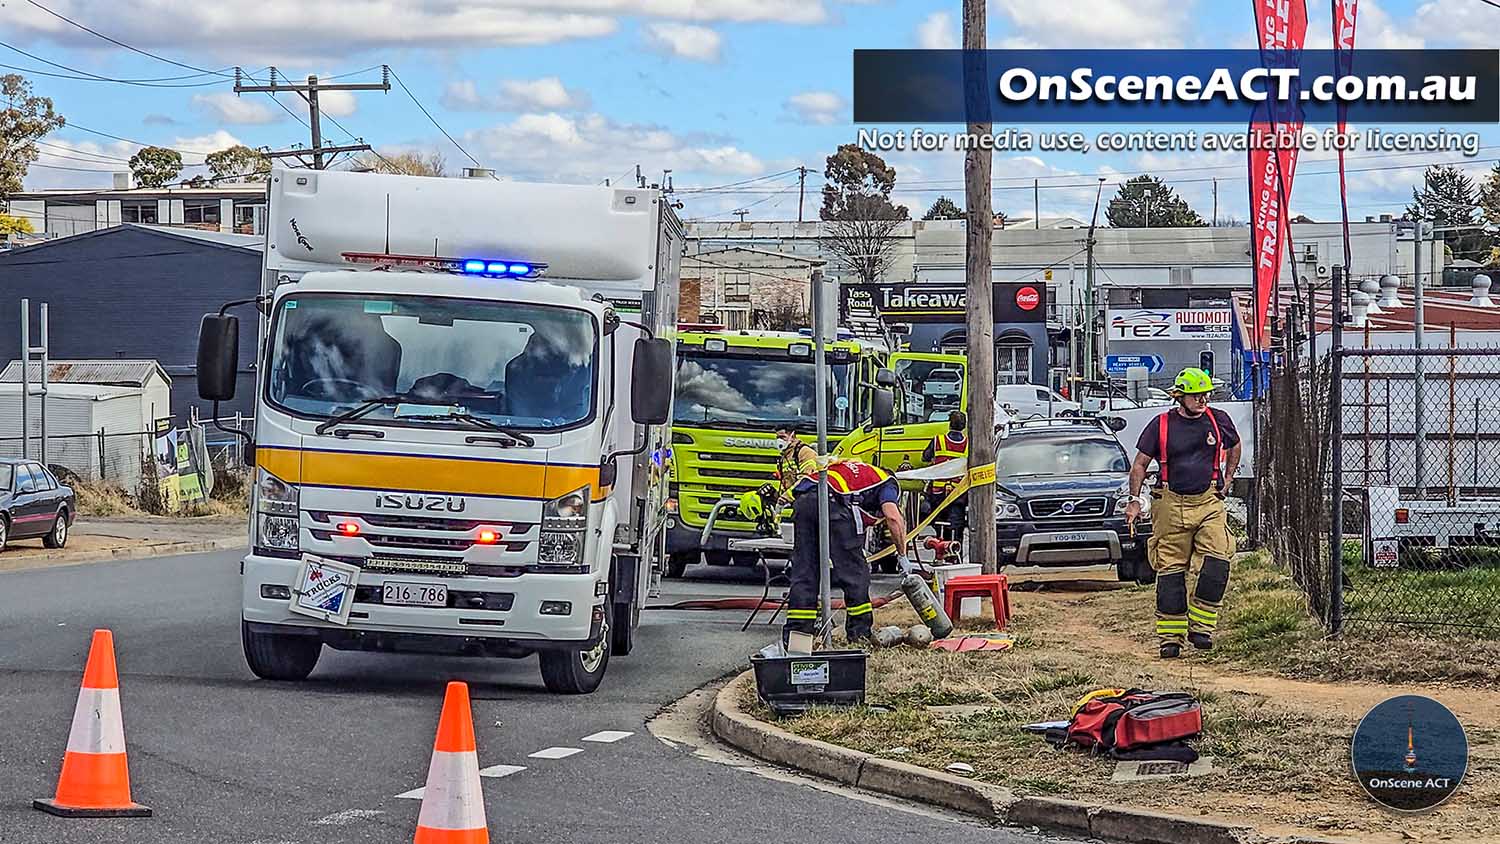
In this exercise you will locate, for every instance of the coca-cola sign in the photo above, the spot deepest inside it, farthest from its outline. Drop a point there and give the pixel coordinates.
(1027, 298)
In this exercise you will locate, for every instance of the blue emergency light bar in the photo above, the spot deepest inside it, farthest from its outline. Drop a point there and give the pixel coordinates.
(467, 266)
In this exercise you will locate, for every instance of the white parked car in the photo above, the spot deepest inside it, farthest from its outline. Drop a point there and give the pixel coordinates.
(1024, 401)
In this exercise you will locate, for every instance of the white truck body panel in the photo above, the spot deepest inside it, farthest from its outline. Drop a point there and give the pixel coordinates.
(607, 251)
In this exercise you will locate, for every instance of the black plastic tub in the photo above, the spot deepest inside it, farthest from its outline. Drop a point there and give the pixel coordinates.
(790, 684)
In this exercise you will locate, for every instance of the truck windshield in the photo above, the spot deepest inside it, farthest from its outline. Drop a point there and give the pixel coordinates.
(934, 389)
(752, 392)
(520, 365)
(1059, 456)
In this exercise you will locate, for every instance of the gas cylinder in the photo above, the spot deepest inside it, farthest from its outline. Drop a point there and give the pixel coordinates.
(926, 604)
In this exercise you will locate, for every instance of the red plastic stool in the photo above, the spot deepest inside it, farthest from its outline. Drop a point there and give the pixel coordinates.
(993, 586)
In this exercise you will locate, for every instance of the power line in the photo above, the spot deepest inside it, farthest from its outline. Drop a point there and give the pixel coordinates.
(119, 43)
(432, 119)
(88, 76)
(71, 125)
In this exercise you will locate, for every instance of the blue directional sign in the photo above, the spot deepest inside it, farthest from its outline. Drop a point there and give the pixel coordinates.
(1120, 364)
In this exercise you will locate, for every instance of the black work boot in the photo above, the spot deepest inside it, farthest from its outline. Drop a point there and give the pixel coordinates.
(1201, 641)
(1170, 650)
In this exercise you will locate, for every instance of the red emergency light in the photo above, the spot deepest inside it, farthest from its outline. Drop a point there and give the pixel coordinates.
(488, 537)
(348, 528)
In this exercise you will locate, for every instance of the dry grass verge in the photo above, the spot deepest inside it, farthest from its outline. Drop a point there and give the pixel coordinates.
(1279, 739)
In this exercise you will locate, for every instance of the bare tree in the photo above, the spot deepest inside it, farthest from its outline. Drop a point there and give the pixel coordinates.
(403, 163)
(866, 245)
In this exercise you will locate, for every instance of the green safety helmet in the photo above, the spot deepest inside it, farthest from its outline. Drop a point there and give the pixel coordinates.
(1192, 381)
(751, 506)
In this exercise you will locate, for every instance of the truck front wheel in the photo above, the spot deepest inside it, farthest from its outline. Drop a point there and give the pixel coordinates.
(577, 671)
(273, 656)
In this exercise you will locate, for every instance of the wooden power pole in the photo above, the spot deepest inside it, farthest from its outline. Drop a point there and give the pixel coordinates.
(308, 91)
(981, 326)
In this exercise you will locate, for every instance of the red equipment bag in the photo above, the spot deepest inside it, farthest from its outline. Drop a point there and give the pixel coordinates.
(1133, 720)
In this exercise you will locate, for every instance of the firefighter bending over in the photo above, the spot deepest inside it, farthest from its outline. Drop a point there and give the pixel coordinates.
(854, 489)
(1197, 449)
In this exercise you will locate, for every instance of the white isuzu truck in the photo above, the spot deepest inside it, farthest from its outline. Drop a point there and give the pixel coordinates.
(462, 396)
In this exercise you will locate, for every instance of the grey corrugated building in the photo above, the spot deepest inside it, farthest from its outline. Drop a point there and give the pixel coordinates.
(136, 292)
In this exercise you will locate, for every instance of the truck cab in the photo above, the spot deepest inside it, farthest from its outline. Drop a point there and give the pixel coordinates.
(465, 443)
(733, 389)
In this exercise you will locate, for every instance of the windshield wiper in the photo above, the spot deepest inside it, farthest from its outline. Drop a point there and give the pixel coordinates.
(480, 422)
(357, 411)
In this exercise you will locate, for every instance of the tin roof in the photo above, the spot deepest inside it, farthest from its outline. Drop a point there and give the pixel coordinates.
(122, 373)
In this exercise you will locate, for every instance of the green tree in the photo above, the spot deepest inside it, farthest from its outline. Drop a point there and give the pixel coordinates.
(944, 209)
(155, 166)
(23, 120)
(1489, 196)
(1449, 198)
(1130, 206)
(238, 163)
(860, 220)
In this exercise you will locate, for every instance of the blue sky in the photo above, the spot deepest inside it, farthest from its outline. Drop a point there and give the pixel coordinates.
(718, 91)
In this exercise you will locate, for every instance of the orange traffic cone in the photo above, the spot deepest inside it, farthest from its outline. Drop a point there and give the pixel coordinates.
(95, 780)
(452, 803)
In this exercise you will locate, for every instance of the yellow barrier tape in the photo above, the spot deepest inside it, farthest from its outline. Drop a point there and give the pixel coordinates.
(982, 476)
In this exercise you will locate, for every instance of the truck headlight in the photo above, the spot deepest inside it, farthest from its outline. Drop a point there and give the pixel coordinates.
(276, 512)
(564, 526)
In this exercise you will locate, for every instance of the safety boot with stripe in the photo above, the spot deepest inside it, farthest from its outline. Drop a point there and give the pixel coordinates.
(1201, 641)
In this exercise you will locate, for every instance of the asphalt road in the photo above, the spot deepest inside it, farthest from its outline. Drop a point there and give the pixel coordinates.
(222, 756)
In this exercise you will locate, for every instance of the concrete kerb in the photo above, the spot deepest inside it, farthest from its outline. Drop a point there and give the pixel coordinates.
(732, 725)
(65, 557)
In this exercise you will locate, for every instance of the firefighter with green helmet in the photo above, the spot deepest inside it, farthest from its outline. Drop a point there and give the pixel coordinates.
(1198, 450)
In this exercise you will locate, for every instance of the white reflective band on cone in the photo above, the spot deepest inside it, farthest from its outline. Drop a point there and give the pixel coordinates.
(97, 725)
(453, 799)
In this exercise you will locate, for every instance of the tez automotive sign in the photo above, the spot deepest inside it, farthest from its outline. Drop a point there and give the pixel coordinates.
(1014, 302)
(1170, 324)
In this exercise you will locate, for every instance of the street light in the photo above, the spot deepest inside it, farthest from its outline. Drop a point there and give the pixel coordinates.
(1147, 195)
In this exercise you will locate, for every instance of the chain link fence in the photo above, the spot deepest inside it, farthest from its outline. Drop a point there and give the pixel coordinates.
(1420, 475)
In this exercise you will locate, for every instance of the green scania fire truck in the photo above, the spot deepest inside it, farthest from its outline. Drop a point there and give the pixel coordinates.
(734, 388)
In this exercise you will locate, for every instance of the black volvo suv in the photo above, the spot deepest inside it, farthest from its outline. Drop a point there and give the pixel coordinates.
(1060, 495)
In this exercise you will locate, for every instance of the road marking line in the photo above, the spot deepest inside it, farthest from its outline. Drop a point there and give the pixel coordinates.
(414, 794)
(608, 736)
(556, 753)
(500, 770)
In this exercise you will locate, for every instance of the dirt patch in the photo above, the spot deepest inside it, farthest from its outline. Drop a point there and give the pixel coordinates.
(1277, 725)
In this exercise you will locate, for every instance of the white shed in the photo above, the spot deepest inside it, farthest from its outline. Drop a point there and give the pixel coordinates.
(155, 383)
(97, 431)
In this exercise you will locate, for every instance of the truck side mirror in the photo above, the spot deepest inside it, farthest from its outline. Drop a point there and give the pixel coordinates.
(883, 408)
(218, 356)
(650, 379)
(885, 378)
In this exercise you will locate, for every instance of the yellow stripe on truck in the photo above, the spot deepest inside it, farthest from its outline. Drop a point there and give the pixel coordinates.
(412, 473)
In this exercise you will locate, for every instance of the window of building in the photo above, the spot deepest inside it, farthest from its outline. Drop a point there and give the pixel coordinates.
(1013, 360)
(736, 287)
(138, 212)
(200, 211)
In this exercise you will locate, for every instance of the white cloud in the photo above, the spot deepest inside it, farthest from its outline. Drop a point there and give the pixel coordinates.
(295, 29)
(938, 31)
(1094, 23)
(228, 107)
(1374, 29)
(821, 108)
(696, 43)
(1456, 24)
(545, 94)
(84, 165)
(335, 103)
(590, 147)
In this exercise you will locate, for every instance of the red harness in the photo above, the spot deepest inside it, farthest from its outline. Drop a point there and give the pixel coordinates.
(1161, 446)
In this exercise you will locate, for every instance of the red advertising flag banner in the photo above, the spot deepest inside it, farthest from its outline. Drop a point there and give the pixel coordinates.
(1344, 14)
(1282, 28)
